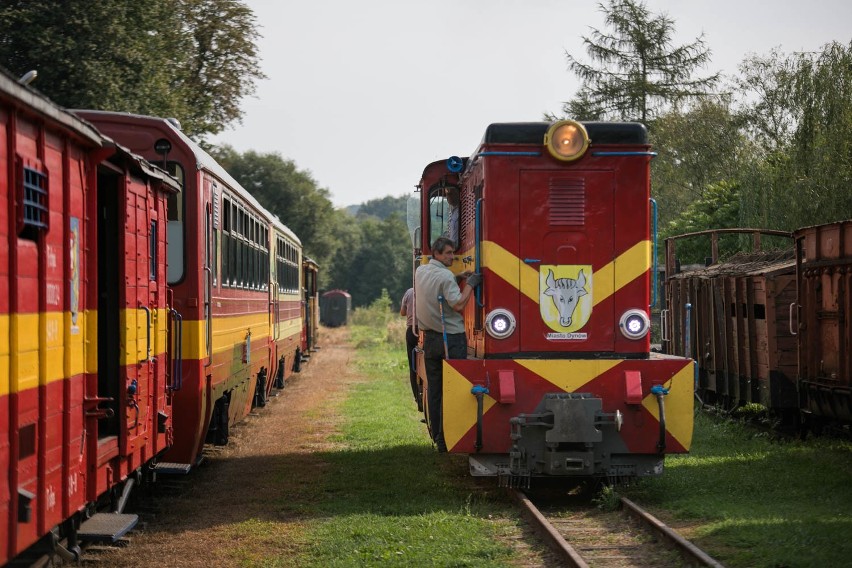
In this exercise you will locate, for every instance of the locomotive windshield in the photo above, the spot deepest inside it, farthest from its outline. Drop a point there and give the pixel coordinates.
(443, 204)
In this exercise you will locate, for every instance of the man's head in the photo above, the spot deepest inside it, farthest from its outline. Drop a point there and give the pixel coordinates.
(442, 250)
(453, 196)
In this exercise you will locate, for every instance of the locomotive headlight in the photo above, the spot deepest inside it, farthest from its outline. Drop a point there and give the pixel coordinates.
(634, 324)
(566, 140)
(500, 323)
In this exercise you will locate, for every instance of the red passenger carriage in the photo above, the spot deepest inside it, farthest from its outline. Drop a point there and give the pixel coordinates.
(234, 272)
(560, 380)
(84, 385)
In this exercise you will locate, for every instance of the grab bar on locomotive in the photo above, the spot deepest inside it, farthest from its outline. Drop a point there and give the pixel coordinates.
(147, 332)
(654, 252)
(477, 248)
(177, 351)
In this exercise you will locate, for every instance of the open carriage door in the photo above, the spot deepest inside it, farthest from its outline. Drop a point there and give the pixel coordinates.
(129, 304)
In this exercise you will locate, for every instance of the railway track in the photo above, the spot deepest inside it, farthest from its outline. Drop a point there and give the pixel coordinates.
(585, 537)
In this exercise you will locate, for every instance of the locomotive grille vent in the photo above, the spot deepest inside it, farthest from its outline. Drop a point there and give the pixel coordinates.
(467, 222)
(567, 200)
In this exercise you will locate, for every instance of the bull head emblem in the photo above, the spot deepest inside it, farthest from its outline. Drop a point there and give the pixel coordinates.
(565, 293)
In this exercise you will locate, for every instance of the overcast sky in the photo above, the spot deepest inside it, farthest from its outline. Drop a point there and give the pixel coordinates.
(364, 94)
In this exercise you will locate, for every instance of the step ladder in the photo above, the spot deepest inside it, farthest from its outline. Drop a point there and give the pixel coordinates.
(173, 468)
(106, 527)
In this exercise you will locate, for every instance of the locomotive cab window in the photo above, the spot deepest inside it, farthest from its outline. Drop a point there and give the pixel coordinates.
(445, 214)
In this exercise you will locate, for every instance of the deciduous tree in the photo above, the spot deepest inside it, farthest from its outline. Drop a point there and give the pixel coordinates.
(190, 59)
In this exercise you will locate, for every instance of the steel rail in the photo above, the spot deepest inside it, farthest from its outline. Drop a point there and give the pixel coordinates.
(686, 547)
(547, 531)
(572, 558)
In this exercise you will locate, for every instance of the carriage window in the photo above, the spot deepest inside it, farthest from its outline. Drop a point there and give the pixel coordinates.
(174, 230)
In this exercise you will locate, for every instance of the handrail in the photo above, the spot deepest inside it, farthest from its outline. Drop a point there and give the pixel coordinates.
(208, 306)
(792, 309)
(654, 253)
(177, 354)
(478, 249)
(147, 331)
(276, 316)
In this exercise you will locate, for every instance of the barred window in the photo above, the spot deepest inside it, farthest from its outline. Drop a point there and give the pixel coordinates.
(34, 211)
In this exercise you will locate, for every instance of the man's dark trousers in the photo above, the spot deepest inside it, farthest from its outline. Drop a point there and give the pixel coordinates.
(410, 344)
(433, 354)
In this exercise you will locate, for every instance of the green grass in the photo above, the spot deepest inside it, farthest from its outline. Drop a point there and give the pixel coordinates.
(388, 497)
(757, 501)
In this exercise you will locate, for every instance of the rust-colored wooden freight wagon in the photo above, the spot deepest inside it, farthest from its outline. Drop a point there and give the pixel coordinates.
(824, 259)
(733, 317)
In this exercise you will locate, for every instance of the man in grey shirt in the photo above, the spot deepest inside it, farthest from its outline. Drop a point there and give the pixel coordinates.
(434, 280)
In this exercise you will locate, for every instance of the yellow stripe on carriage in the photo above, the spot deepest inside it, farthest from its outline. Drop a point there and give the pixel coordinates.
(229, 331)
(38, 349)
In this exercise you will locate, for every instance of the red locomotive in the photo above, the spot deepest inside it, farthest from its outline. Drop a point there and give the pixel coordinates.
(85, 388)
(559, 379)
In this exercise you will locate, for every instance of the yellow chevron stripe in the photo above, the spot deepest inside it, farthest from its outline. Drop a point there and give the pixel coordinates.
(608, 279)
(678, 405)
(631, 264)
(568, 375)
(510, 268)
(459, 405)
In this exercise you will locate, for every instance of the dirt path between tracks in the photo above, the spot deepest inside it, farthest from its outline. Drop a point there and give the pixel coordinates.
(272, 454)
(237, 508)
